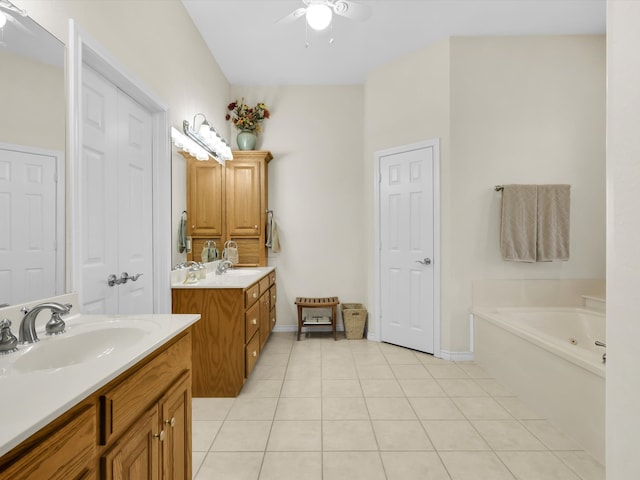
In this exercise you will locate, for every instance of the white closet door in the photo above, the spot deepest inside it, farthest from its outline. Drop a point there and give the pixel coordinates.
(98, 207)
(28, 220)
(115, 200)
(135, 244)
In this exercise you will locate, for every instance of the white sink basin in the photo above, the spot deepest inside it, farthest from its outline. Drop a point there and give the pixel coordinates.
(241, 272)
(84, 346)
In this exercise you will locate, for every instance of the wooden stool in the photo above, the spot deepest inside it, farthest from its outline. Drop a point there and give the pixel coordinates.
(326, 302)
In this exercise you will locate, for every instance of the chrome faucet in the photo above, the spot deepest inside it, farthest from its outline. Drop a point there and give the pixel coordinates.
(8, 341)
(55, 325)
(223, 266)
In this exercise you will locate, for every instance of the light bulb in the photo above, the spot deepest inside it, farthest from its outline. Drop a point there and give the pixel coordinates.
(318, 16)
(3, 19)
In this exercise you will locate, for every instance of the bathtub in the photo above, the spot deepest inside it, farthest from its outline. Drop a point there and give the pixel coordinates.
(548, 357)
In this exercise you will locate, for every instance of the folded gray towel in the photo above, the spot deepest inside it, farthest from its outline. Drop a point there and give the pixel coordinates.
(518, 226)
(554, 208)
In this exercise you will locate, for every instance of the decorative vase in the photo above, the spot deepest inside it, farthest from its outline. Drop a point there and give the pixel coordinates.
(246, 140)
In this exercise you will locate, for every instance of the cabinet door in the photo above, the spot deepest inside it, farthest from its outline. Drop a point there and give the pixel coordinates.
(136, 454)
(251, 353)
(176, 419)
(264, 318)
(205, 199)
(272, 292)
(244, 205)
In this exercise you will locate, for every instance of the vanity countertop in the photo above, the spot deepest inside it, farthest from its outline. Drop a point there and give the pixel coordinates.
(236, 278)
(31, 397)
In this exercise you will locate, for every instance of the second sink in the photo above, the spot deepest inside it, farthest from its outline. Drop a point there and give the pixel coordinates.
(241, 272)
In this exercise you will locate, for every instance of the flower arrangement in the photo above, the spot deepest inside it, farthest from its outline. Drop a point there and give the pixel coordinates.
(245, 118)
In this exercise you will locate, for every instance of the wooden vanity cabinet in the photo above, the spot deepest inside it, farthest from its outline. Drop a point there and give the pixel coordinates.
(230, 335)
(136, 427)
(229, 203)
(146, 419)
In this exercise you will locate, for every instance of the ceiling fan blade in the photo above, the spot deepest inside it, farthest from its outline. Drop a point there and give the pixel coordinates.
(356, 11)
(293, 16)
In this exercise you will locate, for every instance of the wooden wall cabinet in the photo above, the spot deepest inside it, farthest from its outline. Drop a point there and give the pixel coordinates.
(235, 325)
(229, 203)
(138, 426)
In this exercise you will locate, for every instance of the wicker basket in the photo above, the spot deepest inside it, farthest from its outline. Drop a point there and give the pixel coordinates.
(354, 316)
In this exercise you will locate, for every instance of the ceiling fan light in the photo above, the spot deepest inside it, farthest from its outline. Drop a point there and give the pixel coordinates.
(318, 16)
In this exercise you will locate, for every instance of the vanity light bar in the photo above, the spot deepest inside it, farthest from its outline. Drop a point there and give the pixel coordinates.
(186, 144)
(209, 139)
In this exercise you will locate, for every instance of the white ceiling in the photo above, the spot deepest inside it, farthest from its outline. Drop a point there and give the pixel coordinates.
(253, 48)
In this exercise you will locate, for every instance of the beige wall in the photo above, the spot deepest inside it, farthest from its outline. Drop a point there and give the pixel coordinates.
(315, 190)
(157, 42)
(32, 99)
(623, 238)
(523, 110)
(507, 110)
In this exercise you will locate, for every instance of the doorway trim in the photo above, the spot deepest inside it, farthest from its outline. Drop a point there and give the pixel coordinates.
(435, 144)
(83, 49)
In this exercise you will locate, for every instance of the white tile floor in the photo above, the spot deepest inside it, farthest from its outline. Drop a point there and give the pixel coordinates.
(354, 409)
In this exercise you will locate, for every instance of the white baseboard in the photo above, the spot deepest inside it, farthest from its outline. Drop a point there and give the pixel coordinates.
(373, 337)
(456, 356)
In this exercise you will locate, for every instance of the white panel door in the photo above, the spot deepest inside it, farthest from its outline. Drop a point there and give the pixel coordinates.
(115, 204)
(407, 247)
(98, 207)
(28, 215)
(135, 244)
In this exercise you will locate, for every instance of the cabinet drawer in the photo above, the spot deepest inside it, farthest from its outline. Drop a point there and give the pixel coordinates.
(122, 404)
(264, 285)
(252, 319)
(272, 278)
(251, 294)
(67, 453)
(252, 352)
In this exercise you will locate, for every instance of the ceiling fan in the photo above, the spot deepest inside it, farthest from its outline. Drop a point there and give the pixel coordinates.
(319, 13)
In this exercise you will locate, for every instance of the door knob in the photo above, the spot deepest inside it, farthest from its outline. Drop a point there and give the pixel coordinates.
(426, 261)
(124, 277)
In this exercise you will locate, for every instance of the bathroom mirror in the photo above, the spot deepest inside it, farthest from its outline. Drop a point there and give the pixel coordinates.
(32, 159)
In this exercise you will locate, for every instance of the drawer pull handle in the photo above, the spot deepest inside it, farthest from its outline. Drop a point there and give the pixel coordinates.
(273, 319)
(254, 321)
(159, 436)
(254, 353)
(171, 421)
(255, 295)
